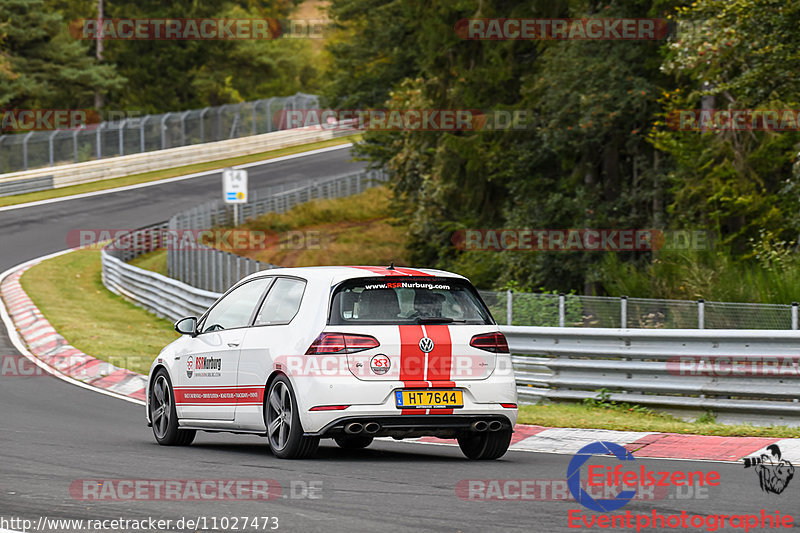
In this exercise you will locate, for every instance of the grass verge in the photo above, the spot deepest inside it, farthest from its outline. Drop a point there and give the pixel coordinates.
(70, 293)
(623, 417)
(170, 172)
(356, 230)
(155, 261)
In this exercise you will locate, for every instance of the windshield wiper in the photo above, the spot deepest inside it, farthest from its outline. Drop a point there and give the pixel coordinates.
(436, 319)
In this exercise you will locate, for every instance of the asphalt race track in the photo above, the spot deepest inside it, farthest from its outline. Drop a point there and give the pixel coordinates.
(53, 434)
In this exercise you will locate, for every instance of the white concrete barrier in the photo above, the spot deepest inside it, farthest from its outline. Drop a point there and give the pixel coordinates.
(118, 167)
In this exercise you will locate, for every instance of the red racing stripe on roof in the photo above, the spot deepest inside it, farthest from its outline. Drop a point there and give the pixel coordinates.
(381, 271)
(412, 272)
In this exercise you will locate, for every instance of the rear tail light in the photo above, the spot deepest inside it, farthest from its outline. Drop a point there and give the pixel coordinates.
(491, 342)
(329, 408)
(338, 343)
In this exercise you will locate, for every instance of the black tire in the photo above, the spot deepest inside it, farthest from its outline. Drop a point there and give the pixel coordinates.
(486, 445)
(163, 415)
(353, 442)
(284, 431)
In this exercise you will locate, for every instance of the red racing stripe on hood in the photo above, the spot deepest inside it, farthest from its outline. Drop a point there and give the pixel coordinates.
(440, 360)
(412, 360)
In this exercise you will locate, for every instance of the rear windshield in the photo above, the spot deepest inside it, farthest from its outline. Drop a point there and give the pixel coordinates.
(407, 301)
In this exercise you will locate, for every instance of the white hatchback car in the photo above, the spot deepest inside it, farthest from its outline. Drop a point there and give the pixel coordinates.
(349, 353)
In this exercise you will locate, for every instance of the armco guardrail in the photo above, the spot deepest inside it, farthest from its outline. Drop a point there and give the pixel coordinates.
(158, 294)
(117, 167)
(750, 372)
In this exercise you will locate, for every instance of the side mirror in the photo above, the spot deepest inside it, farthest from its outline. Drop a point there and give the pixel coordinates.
(187, 326)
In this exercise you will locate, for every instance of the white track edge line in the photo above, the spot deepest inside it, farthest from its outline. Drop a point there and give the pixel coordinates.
(176, 178)
(19, 344)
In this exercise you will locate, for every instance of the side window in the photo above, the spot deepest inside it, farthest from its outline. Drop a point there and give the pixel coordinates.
(282, 302)
(235, 310)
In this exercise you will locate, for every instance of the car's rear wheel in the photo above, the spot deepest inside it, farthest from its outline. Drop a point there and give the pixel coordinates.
(485, 445)
(163, 415)
(284, 431)
(353, 442)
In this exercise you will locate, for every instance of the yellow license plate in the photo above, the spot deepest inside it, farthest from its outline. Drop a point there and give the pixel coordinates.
(428, 399)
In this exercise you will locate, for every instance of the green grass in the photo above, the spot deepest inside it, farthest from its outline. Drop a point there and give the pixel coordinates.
(169, 173)
(155, 261)
(356, 230)
(623, 417)
(342, 231)
(69, 292)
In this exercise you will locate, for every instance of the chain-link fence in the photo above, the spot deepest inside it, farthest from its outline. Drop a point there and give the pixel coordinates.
(147, 133)
(554, 310)
(216, 270)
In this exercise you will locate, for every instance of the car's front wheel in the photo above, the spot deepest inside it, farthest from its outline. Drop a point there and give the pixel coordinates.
(163, 415)
(485, 445)
(284, 431)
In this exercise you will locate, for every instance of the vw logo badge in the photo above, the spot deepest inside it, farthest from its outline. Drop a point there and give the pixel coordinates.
(425, 344)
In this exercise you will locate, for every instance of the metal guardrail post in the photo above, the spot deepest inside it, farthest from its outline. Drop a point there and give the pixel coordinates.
(50, 147)
(75, 142)
(141, 134)
(794, 315)
(25, 150)
(269, 115)
(164, 130)
(509, 307)
(623, 312)
(562, 318)
(122, 137)
(202, 125)
(701, 314)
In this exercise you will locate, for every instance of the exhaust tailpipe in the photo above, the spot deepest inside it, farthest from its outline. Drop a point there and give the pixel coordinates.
(495, 425)
(372, 427)
(480, 425)
(353, 428)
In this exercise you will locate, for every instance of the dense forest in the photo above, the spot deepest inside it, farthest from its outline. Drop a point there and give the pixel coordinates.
(602, 150)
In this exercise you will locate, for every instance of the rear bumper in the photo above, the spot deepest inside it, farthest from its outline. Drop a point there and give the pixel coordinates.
(368, 401)
(410, 426)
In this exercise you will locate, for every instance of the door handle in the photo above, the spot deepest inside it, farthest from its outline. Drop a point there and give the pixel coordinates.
(233, 344)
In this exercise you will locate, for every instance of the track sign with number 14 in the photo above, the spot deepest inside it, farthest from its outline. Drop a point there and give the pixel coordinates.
(234, 186)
